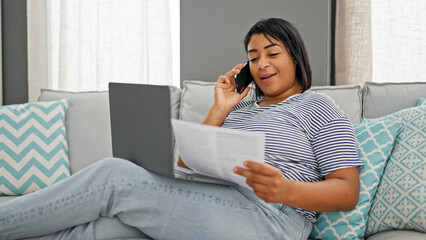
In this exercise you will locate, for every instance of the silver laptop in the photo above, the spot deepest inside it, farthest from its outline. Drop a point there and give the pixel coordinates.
(141, 130)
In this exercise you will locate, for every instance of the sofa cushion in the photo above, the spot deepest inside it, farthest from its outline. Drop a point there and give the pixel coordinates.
(380, 99)
(196, 99)
(33, 146)
(198, 96)
(88, 124)
(347, 97)
(399, 201)
(375, 141)
(421, 101)
(4, 199)
(398, 235)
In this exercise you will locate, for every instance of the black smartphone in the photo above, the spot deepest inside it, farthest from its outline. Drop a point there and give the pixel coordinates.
(243, 79)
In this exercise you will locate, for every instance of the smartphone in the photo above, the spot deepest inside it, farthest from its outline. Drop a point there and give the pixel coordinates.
(243, 79)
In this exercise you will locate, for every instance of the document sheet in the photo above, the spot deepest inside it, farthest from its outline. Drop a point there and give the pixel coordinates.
(215, 151)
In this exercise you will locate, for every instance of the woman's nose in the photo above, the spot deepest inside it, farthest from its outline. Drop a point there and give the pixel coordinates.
(262, 64)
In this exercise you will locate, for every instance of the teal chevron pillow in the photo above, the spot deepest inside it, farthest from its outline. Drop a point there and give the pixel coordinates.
(400, 199)
(33, 146)
(375, 142)
(421, 101)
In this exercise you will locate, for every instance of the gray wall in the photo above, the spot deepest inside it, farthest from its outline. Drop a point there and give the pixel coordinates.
(14, 47)
(1, 64)
(212, 33)
(211, 38)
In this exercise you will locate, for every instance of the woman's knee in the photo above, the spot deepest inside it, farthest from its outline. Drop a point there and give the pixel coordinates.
(112, 162)
(112, 165)
(117, 169)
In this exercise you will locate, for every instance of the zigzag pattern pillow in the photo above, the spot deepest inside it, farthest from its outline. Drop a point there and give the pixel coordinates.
(375, 142)
(400, 199)
(33, 146)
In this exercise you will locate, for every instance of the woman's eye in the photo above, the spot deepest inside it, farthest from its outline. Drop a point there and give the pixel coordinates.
(252, 59)
(273, 54)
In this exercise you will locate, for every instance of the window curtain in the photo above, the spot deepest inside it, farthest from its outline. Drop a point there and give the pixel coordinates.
(353, 53)
(399, 40)
(380, 41)
(80, 45)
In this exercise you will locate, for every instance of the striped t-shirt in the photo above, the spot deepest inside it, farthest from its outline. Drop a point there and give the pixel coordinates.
(307, 136)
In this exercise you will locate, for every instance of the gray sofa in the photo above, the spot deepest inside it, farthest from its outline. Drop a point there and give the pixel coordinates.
(88, 125)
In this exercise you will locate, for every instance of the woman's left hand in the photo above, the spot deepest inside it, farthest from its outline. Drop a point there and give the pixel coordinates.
(267, 182)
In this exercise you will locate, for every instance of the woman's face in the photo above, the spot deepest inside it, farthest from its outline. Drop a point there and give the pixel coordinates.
(273, 68)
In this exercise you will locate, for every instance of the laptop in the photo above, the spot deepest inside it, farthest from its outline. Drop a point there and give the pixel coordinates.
(142, 133)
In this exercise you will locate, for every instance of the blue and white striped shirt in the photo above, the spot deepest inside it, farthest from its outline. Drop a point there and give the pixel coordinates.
(307, 136)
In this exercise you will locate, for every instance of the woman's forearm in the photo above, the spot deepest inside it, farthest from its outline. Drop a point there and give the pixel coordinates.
(339, 191)
(332, 194)
(215, 116)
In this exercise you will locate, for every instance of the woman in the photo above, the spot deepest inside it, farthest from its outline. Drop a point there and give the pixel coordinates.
(311, 165)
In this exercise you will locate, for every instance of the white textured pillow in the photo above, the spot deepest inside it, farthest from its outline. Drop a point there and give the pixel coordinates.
(400, 199)
(33, 146)
(197, 98)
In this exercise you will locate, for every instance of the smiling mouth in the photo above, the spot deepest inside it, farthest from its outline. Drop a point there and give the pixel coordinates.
(265, 77)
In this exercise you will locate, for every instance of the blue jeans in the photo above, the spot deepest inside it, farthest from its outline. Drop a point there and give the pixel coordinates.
(115, 198)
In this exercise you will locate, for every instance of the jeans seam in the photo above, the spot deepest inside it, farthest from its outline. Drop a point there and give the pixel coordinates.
(306, 222)
(282, 209)
(266, 210)
(303, 230)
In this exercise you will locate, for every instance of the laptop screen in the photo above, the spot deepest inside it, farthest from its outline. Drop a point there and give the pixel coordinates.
(140, 125)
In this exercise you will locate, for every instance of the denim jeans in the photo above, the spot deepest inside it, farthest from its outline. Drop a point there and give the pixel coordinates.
(114, 198)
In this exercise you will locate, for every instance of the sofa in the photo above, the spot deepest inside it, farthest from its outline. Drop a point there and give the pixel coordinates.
(89, 139)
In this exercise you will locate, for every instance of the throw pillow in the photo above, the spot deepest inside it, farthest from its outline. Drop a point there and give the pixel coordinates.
(421, 101)
(33, 146)
(375, 142)
(400, 199)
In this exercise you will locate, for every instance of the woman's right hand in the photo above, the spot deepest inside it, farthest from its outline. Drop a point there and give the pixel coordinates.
(225, 95)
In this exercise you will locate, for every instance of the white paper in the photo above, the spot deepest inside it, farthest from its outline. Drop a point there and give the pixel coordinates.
(215, 151)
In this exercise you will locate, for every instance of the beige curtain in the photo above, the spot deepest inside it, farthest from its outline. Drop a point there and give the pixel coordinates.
(380, 41)
(353, 50)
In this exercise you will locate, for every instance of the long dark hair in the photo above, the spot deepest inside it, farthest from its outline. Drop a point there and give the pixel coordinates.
(283, 31)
